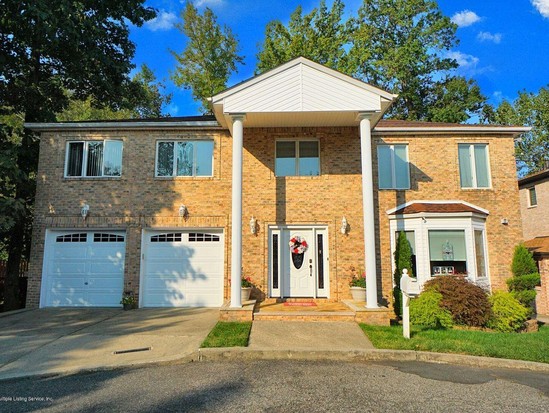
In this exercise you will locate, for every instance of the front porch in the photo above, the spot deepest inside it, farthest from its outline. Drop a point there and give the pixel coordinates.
(307, 310)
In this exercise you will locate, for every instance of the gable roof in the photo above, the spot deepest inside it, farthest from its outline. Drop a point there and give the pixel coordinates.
(534, 178)
(436, 207)
(301, 93)
(538, 245)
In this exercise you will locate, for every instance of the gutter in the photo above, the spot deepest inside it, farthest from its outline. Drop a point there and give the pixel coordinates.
(436, 130)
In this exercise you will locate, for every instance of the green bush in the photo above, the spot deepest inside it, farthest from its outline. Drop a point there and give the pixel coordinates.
(467, 302)
(508, 314)
(523, 262)
(526, 298)
(403, 259)
(425, 310)
(523, 282)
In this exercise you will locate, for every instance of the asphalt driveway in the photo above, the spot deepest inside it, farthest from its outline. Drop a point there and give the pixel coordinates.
(63, 340)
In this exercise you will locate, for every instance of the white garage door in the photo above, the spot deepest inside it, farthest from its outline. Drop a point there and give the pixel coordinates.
(182, 269)
(83, 269)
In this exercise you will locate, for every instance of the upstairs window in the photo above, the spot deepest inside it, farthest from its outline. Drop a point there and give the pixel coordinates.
(392, 166)
(184, 158)
(94, 158)
(474, 169)
(297, 158)
(532, 197)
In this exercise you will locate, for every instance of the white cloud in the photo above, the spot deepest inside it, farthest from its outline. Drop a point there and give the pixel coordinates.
(465, 61)
(489, 37)
(163, 21)
(208, 3)
(542, 6)
(467, 17)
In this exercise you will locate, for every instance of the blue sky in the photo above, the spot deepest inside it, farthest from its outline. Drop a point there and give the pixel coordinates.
(503, 44)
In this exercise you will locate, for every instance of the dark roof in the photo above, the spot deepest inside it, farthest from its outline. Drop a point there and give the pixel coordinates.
(538, 245)
(197, 118)
(450, 207)
(533, 178)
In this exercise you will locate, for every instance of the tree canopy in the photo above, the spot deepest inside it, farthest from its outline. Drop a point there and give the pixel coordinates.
(528, 109)
(210, 55)
(397, 45)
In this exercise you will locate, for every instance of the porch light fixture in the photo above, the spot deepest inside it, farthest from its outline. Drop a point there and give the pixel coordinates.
(344, 225)
(253, 225)
(183, 212)
(85, 211)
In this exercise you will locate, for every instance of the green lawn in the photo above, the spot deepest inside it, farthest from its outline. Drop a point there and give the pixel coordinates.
(228, 334)
(525, 346)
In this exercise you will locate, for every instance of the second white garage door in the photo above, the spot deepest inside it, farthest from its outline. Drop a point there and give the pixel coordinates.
(182, 268)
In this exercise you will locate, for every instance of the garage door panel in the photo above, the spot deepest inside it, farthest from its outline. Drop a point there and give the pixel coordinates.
(183, 273)
(82, 272)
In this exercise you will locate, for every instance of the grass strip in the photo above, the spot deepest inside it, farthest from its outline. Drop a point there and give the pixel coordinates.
(228, 334)
(516, 346)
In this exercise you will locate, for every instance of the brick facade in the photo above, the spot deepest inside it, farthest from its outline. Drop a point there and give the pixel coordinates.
(138, 200)
(534, 218)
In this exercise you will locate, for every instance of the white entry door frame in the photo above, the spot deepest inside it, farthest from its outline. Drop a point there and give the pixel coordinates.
(298, 275)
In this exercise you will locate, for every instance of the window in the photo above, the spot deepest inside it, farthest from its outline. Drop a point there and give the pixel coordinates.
(201, 237)
(79, 237)
(184, 158)
(393, 169)
(94, 158)
(532, 198)
(473, 166)
(297, 158)
(170, 237)
(447, 252)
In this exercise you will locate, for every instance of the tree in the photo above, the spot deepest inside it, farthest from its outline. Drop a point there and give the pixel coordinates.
(529, 109)
(209, 58)
(403, 259)
(396, 45)
(47, 48)
(525, 276)
(320, 36)
(143, 98)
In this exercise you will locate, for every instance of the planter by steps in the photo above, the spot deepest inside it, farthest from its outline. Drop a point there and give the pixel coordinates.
(358, 293)
(245, 294)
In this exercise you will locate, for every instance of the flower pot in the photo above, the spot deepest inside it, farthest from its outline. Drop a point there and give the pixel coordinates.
(245, 294)
(358, 293)
(128, 306)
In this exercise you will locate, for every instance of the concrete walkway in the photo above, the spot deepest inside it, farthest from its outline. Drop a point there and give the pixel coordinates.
(303, 335)
(60, 341)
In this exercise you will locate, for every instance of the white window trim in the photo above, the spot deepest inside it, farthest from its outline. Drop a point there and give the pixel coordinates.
(85, 159)
(423, 222)
(474, 166)
(393, 168)
(296, 144)
(174, 166)
(530, 205)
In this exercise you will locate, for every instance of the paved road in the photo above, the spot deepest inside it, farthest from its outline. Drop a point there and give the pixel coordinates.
(284, 386)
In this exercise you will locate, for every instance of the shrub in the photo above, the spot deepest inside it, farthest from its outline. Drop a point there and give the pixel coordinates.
(403, 259)
(523, 282)
(523, 262)
(426, 310)
(508, 314)
(468, 303)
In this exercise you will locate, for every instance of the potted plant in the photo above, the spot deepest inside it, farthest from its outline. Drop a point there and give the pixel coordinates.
(246, 286)
(129, 302)
(358, 286)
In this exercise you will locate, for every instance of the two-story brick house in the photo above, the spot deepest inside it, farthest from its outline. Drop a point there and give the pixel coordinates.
(179, 209)
(534, 207)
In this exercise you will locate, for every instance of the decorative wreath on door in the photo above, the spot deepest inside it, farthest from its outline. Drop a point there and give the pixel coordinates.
(298, 245)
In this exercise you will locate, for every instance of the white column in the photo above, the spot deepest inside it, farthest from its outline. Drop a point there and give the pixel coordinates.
(236, 214)
(368, 208)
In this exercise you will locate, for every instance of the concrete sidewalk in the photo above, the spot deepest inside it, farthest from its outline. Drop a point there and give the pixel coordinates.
(61, 341)
(303, 335)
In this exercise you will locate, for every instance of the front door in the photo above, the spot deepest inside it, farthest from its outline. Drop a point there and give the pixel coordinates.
(299, 263)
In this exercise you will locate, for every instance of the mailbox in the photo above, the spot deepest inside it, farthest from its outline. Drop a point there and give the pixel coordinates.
(409, 285)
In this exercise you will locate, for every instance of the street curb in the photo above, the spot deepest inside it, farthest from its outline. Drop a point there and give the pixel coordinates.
(247, 354)
(243, 353)
(13, 312)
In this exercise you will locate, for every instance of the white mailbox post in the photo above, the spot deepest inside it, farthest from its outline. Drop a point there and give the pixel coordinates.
(410, 289)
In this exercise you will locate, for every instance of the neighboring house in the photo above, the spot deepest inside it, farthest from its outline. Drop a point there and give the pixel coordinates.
(181, 208)
(534, 207)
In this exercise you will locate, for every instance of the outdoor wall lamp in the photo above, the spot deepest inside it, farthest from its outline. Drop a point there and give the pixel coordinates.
(183, 211)
(85, 211)
(344, 225)
(253, 225)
